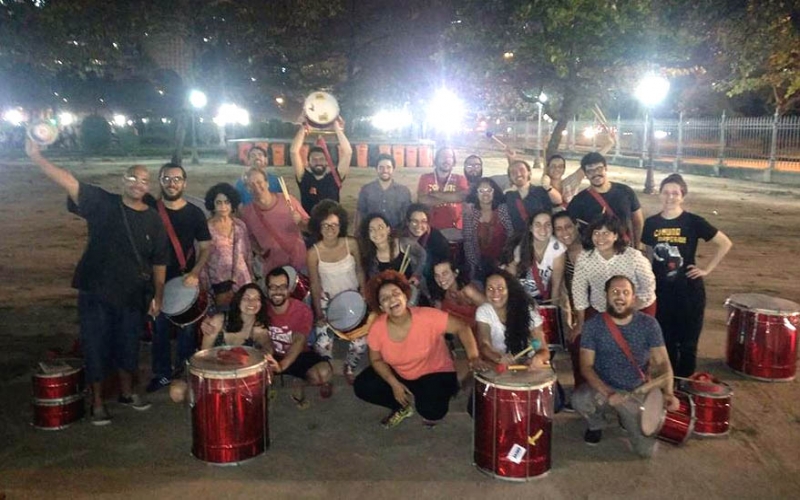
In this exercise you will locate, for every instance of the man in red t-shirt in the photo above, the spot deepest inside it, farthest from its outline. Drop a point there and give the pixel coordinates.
(443, 191)
(290, 322)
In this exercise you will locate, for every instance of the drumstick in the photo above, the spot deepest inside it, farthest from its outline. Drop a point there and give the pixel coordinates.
(531, 347)
(406, 260)
(656, 382)
(284, 190)
(490, 135)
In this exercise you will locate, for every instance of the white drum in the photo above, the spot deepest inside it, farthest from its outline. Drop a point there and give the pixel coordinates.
(321, 109)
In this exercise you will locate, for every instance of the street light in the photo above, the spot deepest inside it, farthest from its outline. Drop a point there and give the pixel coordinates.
(650, 91)
(198, 100)
(542, 99)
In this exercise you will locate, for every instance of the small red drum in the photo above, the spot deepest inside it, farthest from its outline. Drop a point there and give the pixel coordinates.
(762, 336)
(299, 283)
(455, 238)
(671, 426)
(346, 311)
(183, 305)
(228, 399)
(553, 333)
(513, 425)
(60, 379)
(712, 405)
(57, 414)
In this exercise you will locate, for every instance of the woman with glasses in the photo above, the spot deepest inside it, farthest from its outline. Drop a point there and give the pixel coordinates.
(334, 266)
(487, 225)
(410, 362)
(434, 243)
(230, 261)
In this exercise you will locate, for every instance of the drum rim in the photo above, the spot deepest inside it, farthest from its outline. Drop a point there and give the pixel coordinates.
(195, 295)
(662, 414)
(292, 282)
(66, 373)
(57, 401)
(232, 374)
(317, 123)
(731, 302)
(360, 320)
(541, 385)
(727, 393)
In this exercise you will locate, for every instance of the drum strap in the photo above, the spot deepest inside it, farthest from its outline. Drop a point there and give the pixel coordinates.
(130, 238)
(176, 244)
(521, 209)
(333, 168)
(274, 233)
(537, 278)
(608, 210)
(616, 334)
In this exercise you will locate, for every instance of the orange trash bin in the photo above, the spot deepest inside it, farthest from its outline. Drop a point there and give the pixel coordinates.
(398, 152)
(411, 156)
(244, 148)
(425, 156)
(362, 155)
(278, 155)
(385, 149)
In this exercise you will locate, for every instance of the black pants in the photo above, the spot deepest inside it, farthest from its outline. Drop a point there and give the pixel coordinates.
(680, 314)
(431, 392)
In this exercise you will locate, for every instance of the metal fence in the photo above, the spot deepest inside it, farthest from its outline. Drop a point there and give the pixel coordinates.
(762, 143)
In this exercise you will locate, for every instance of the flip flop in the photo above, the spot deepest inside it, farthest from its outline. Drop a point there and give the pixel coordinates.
(301, 403)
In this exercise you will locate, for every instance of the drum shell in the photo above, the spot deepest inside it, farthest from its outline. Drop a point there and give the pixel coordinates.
(678, 425)
(58, 385)
(230, 414)
(713, 412)
(57, 414)
(299, 283)
(553, 331)
(508, 415)
(762, 343)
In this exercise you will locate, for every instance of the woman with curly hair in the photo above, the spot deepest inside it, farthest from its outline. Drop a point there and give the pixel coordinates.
(381, 250)
(453, 294)
(487, 225)
(229, 264)
(409, 356)
(334, 266)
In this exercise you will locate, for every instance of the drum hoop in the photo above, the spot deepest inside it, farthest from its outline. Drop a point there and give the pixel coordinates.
(65, 373)
(195, 295)
(59, 401)
(234, 374)
(731, 302)
(541, 385)
(662, 416)
(726, 393)
(342, 294)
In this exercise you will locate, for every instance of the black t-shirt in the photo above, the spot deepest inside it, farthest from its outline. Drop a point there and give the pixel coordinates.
(190, 225)
(313, 190)
(674, 243)
(109, 266)
(620, 198)
(536, 200)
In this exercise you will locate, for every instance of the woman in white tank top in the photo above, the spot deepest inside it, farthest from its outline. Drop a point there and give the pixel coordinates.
(334, 266)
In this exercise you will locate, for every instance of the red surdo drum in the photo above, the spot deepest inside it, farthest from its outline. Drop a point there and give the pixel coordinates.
(762, 336)
(183, 305)
(712, 405)
(299, 283)
(228, 399)
(513, 423)
(553, 333)
(671, 426)
(58, 394)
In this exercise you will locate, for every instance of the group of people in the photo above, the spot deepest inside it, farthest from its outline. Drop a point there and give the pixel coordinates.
(466, 260)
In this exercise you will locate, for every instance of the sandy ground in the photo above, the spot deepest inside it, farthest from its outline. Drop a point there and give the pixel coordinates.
(336, 448)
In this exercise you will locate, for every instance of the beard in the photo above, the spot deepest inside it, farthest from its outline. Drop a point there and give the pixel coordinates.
(622, 314)
(318, 169)
(473, 178)
(169, 197)
(277, 300)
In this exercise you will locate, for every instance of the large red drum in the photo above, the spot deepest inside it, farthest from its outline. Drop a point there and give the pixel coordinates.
(228, 399)
(712, 406)
(553, 332)
(58, 381)
(671, 426)
(762, 336)
(513, 423)
(57, 414)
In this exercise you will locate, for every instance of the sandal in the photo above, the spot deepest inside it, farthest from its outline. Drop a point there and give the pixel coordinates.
(326, 390)
(349, 376)
(301, 402)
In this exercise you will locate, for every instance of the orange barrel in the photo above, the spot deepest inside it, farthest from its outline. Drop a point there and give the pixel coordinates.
(278, 154)
(244, 148)
(362, 155)
(411, 156)
(384, 149)
(425, 156)
(398, 152)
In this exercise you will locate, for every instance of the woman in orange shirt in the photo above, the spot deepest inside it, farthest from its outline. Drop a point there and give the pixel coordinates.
(409, 356)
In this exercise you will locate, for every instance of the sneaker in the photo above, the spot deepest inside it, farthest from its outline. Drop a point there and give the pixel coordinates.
(134, 401)
(429, 424)
(592, 437)
(568, 407)
(394, 419)
(157, 383)
(100, 416)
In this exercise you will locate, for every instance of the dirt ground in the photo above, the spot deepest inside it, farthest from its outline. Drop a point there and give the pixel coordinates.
(336, 448)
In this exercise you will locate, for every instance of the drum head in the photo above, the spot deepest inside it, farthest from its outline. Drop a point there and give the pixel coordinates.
(518, 379)
(177, 297)
(208, 364)
(42, 133)
(710, 389)
(452, 234)
(652, 412)
(346, 310)
(292, 272)
(321, 109)
(763, 303)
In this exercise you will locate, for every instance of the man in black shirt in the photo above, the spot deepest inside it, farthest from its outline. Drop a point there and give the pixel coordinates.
(606, 197)
(119, 278)
(190, 226)
(320, 180)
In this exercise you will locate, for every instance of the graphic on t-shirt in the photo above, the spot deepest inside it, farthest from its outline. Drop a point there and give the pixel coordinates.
(670, 256)
(281, 338)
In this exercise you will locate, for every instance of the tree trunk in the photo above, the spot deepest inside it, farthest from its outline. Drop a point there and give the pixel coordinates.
(180, 137)
(568, 104)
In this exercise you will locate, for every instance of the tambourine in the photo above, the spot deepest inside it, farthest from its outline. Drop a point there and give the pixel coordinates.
(321, 109)
(42, 132)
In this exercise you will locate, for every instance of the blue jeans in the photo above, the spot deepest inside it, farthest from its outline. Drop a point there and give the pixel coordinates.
(161, 348)
(109, 336)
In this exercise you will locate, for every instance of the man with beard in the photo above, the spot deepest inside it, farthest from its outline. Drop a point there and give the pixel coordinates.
(256, 158)
(125, 258)
(320, 180)
(290, 323)
(443, 191)
(606, 197)
(473, 169)
(524, 199)
(186, 225)
(619, 349)
(383, 195)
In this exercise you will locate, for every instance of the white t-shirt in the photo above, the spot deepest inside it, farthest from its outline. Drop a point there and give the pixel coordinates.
(554, 250)
(486, 314)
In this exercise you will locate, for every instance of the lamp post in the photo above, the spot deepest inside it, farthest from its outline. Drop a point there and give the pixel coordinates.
(539, 103)
(198, 100)
(650, 91)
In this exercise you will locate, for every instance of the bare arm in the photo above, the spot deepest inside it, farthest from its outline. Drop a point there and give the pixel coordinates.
(210, 327)
(312, 261)
(356, 253)
(637, 223)
(62, 177)
(294, 150)
(587, 370)
(559, 264)
(159, 277)
(385, 372)
(474, 295)
(485, 348)
(660, 365)
(722, 245)
(555, 196)
(298, 344)
(467, 339)
(438, 197)
(540, 358)
(203, 254)
(345, 149)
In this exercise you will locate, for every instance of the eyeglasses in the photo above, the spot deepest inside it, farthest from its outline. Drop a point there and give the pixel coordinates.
(499, 289)
(418, 222)
(596, 170)
(166, 180)
(278, 288)
(329, 225)
(486, 190)
(602, 233)
(473, 165)
(222, 202)
(132, 179)
(616, 292)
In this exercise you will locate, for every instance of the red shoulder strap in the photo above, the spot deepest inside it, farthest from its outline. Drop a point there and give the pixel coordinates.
(176, 244)
(333, 168)
(522, 212)
(602, 201)
(616, 334)
(537, 278)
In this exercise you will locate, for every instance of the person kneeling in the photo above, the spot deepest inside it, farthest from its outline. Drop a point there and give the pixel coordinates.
(409, 356)
(617, 348)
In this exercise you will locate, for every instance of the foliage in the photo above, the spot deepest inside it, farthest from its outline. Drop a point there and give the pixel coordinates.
(95, 134)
